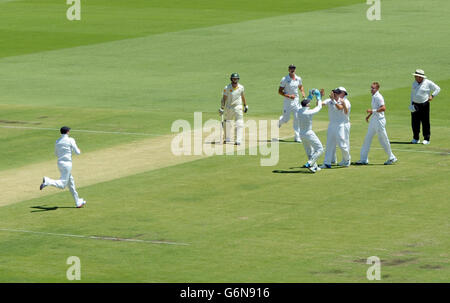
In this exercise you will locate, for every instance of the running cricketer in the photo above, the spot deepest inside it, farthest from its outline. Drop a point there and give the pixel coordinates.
(289, 87)
(231, 107)
(64, 148)
(311, 143)
(377, 125)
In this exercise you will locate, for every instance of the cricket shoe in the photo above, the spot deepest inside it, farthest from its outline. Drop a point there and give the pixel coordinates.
(344, 163)
(83, 203)
(390, 161)
(414, 141)
(43, 184)
(425, 142)
(313, 168)
(298, 140)
(325, 166)
(359, 162)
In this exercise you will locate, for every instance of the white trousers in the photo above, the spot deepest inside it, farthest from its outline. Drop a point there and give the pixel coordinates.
(291, 106)
(234, 113)
(376, 127)
(313, 146)
(66, 179)
(338, 134)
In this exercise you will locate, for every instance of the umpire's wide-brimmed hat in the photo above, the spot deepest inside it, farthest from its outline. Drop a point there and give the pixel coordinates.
(420, 73)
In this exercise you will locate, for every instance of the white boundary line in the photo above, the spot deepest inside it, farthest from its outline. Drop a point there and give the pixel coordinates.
(80, 130)
(92, 237)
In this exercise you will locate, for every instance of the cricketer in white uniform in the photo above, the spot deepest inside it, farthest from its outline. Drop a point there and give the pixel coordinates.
(377, 125)
(64, 148)
(313, 146)
(339, 127)
(233, 105)
(289, 87)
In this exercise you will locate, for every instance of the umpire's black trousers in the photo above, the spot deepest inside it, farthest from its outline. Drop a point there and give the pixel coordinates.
(421, 115)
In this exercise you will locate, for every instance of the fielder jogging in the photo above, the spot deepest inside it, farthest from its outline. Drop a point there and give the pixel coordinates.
(289, 87)
(64, 148)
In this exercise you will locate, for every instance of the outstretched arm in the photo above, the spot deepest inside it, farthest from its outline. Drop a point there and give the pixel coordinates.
(315, 110)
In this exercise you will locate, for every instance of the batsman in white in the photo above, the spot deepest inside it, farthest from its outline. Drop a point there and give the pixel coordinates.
(232, 105)
(339, 127)
(377, 125)
(289, 87)
(64, 147)
(311, 143)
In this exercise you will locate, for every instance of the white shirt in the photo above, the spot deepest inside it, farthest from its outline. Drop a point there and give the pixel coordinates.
(234, 95)
(420, 93)
(291, 85)
(377, 102)
(305, 115)
(332, 110)
(334, 114)
(64, 147)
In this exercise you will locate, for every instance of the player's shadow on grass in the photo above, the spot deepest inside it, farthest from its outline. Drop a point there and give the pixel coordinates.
(48, 208)
(366, 165)
(283, 171)
(399, 142)
(278, 140)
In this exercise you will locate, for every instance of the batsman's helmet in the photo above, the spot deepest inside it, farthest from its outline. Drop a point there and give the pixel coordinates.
(292, 66)
(234, 76)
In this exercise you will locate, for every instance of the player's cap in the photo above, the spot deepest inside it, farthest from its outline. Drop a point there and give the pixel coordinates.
(305, 102)
(64, 129)
(420, 73)
(339, 90)
(234, 76)
(292, 66)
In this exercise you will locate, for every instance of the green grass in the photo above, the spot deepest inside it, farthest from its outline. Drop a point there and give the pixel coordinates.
(137, 66)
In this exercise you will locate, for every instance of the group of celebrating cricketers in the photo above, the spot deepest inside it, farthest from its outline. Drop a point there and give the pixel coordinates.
(233, 104)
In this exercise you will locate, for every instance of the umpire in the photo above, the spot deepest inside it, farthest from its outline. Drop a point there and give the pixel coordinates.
(422, 92)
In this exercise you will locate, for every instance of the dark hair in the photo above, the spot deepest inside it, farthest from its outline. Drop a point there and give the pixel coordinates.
(305, 102)
(64, 130)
